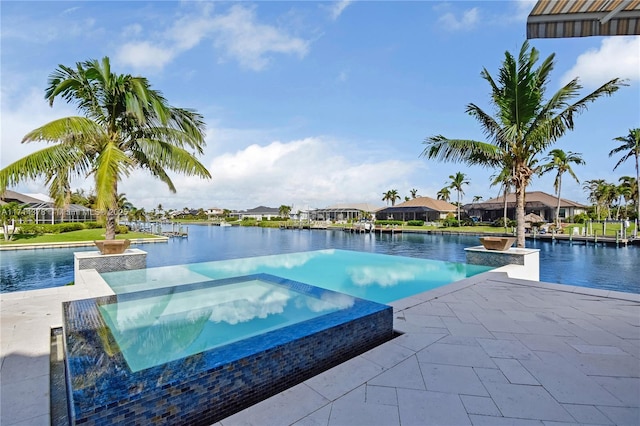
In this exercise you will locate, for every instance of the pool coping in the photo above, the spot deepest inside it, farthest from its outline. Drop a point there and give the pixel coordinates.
(34, 246)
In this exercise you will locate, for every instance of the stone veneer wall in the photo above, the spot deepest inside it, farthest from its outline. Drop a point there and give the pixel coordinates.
(527, 260)
(204, 388)
(130, 259)
(494, 258)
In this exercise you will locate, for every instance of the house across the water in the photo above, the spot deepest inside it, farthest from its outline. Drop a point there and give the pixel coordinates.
(536, 202)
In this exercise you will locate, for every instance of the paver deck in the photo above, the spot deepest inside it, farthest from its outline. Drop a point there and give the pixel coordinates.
(487, 350)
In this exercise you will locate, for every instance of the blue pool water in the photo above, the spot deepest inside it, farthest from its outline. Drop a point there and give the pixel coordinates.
(371, 276)
(153, 329)
(596, 266)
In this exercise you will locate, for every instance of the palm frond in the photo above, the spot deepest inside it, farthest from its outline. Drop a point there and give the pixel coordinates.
(66, 130)
(111, 165)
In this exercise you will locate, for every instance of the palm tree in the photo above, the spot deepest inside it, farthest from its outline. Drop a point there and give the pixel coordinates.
(414, 193)
(525, 123)
(284, 211)
(628, 188)
(125, 125)
(444, 194)
(594, 188)
(457, 181)
(505, 181)
(560, 161)
(391, 196)
(630, 148)
(10, 214)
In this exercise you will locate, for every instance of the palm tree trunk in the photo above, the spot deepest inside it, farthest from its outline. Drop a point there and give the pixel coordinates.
(558, 207)
(504, 217)
(520, 215)
(110, 225)
(458, 207)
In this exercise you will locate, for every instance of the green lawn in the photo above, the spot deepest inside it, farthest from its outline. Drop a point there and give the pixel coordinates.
(73, 236)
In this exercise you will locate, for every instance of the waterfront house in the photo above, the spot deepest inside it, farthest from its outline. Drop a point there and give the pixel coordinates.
(537, 202)
(419, 208)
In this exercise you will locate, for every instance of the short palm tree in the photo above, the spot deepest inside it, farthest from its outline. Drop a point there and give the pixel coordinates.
(444, 194)
(457, 181)
(391, 196)
(414, 193)
(628, 188)
(630, 148)
(525, 124)
(560, 161)
(284, 210)
(125, 125)
(594, 189)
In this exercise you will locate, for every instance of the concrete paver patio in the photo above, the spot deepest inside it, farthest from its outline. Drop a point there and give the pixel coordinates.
(487, 350)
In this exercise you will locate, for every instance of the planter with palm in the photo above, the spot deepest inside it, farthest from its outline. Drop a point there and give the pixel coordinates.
(126, 125)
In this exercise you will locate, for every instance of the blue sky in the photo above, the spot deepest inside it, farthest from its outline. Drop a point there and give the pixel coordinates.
(311, 103)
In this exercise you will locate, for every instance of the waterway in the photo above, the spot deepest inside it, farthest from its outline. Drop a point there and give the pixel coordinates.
(590, 265)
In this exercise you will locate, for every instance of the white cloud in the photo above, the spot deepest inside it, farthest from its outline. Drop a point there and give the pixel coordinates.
(237, 34)
(467, 21)
(145, 55)
(312, 171)
(616, 57)
(249, 42)
(336, 9)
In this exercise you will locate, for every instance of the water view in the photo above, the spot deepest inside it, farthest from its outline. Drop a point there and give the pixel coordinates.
(596, 266)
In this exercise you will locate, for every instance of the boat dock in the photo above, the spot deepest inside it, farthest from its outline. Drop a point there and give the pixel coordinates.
(580, 239)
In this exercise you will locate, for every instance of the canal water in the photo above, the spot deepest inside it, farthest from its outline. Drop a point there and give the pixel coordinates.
(591, 265)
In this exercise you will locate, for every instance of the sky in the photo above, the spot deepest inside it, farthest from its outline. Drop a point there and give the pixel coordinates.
(311, 103)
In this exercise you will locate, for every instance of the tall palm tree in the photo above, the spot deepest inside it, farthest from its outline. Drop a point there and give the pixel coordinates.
(525, 123)
(391, 196)
(594, 188)
(125, 125)
(628, 188)
(630, 148)
(457, 181)
(560, 161)
(444, 194)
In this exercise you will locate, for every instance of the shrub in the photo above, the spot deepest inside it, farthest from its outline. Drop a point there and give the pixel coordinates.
(450, 221)
(579, 218)
(93, 225)
(122, 229)
(60, 228)
(415, 223)
(32, 229)
(499, 223)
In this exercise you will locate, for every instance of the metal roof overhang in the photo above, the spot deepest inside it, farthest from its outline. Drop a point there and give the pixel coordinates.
(583, 18)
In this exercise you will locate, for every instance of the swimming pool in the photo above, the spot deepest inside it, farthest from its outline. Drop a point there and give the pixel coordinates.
(371, 276)
(162, 325)
(147, 358)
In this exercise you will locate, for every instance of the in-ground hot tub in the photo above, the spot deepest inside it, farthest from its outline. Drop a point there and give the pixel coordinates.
(197, 353)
